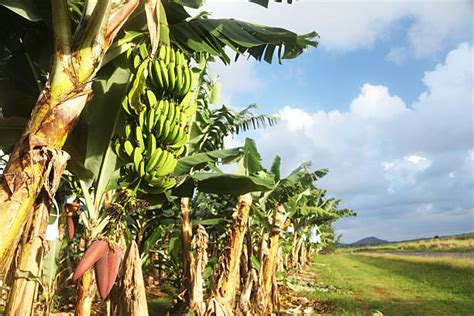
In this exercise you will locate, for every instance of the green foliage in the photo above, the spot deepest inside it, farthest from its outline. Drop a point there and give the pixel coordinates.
(201, 160)
(212, 125)
(104, 117)
(30, 10)
(250, 162)
(234, 184)
(212, 36)
(275, 169)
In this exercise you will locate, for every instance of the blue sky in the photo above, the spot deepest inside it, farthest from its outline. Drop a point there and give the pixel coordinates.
(385, 102)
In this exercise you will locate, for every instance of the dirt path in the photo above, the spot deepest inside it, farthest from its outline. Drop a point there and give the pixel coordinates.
(457, 255)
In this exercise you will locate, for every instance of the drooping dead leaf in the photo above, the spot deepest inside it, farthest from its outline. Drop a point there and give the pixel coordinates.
(152, 10)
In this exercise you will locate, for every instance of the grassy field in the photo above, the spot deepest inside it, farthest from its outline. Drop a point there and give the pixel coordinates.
(393, 285)
(443, 244)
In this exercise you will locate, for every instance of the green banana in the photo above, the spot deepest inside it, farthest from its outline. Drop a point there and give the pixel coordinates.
(159, 128)
(164, 75)
(161, 183)
(166, 109)
(159, 111)
(172, 77)
(168, 55)
(128, 147)
(180, 140)
(128, 130)
(136, 61)
(172, 135)
(178, 136)
(137, 157)
(141, 169)
(143, 51)
(166, 130)
(151, 145)
(158, 77)
(118, 150)
(179, 88)
(173, 55)
(167, 166)
(187, 80)
(171, 111)
(179, 151)
(151, 99)
(162, 53)
(154, 158)
(141, 120)
(158, 106)
(139, 137)
(151, 120)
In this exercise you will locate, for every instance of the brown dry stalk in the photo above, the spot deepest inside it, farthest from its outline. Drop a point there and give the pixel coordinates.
(186, 239)
(30, 255)
(226, 287)
(198, 264)
(132, 298)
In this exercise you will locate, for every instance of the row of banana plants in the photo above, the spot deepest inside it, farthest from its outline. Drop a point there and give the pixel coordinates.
(137, 196)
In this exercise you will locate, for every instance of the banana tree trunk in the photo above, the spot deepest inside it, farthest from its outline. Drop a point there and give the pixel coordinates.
(85, 294)
(54, 114)
(198, 264)
(259, 297)
(244, 302)
(186, 239)
(269, 265)
(302, 261)
(309, 253)
(131, 299)
(299, 252)
(29, 261)
(226, 287)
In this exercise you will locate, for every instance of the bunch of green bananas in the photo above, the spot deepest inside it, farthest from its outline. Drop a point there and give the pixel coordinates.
(159, 106)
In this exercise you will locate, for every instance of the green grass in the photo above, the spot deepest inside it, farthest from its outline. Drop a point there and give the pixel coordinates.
(159, 306)
(393, 285)
(463, 243)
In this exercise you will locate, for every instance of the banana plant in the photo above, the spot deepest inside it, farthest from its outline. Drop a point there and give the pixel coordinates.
(77, 59)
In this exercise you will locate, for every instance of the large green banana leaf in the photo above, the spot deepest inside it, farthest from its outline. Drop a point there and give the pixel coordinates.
(198, 161)
(213, 35)
(234, 184)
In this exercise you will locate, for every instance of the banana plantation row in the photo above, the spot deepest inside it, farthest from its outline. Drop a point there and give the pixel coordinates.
(97, 201)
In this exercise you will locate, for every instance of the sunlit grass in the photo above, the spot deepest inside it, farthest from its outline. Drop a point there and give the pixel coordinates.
(394, 285)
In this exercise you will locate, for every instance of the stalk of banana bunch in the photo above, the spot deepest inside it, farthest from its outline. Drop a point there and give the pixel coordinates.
(158, 106)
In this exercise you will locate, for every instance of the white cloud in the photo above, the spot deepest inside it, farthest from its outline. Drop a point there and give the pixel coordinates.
(414, 159)
(387, 159)
(351, 25)
(402, 173)
(376, 102)
(470, 154)
(296, 119)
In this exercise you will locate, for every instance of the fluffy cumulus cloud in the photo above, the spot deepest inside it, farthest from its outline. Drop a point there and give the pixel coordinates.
(350, 25)
(405, 168)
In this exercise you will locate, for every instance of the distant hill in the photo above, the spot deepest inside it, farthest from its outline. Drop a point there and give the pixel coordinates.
(376, 241)
(366, 242)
